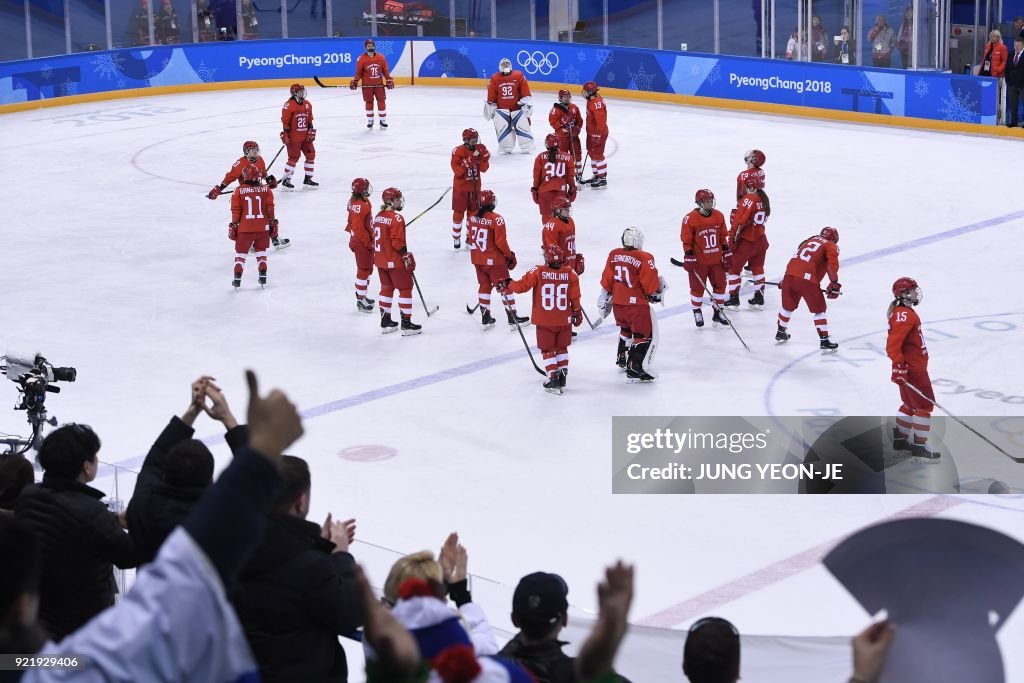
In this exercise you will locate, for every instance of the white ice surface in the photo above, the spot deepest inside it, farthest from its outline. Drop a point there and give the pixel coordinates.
(115, 262)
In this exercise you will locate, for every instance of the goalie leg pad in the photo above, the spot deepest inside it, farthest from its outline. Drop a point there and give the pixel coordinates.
(503, 129)
(521, 126)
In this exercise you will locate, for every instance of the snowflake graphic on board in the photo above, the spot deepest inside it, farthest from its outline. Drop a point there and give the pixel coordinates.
(121, 84)
(205, 73)
(610, 77)
(447, 66)
(714, 75)
(603, 56)
(386, 47)
(960, 107)
(920, 87)
(46, 72)
(571, 74)
(464, 51)
(429, 63)
(641, 79)
(69, 87)
(107, 65)
(581, 56)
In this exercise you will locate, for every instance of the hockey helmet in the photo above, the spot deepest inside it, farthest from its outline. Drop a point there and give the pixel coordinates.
(703, 196)
(298, 92)
(505, 66)
(251, 174)
(551, 141)
(471, 137)
(589, 89)
(633, 238)
(361, 186)
(487, 199)
(250, 149)
(561, 207)
(907, 290)
(393, 198)
(554, 256)
(831, 234)
(370, 46)
(564, 96)
(755, 158)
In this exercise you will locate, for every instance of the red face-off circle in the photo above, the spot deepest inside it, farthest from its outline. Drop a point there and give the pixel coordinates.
(367, 453)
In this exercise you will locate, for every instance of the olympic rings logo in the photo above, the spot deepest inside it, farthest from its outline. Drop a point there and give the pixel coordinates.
(537, 62)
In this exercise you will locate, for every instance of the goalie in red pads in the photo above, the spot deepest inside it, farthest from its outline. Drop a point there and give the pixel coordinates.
(906, 349)
(556, 309)
(815, 257)
(492, 258)
(252, 212)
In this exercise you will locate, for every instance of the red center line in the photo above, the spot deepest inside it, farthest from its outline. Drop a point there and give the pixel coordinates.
(776, 572)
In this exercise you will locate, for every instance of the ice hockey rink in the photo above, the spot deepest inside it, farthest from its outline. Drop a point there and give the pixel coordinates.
(116, 263)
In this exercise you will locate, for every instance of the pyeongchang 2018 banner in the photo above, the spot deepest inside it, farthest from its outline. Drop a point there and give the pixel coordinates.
(925, 95)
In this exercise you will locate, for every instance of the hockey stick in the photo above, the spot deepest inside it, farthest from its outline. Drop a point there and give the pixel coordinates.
(583, 168)
(323, 85)
(721, 311)
(965, 425)
(472, 310)
(430, 311)
(587, 318)
(429, 207)
(523, 337)
(779, 284)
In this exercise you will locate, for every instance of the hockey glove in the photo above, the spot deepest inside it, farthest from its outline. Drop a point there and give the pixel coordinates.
(899, 373)
(832, 291)
(489, 109)
(604, 303)
(353, 84)
(232, 231)
(579, 264)
(271, 182)
(654, 298)
(689, 262)
(284, 137)
(215, 192)
(389, 84)
(410, 261)
(571, 194)
(273, 228)
(527, 110)
(311, 135)
(511, 261)
(726, 258)
(536, 195)
(577, 317)
(502, 285)
(481, 151)
(732, 217)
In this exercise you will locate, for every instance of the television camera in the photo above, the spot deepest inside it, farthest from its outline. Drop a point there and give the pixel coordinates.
(35, 377)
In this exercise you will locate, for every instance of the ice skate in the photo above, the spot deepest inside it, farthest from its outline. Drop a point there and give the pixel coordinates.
(719, 319)
(636, 376)
(733, 302)
(263, 280)
(781, 336)
(309, 184)
(456, 244)
(698, 317)
(383, 124)
(900, 441)
(369, 124)
(280, 244)
(757, 301)
(409, 328)
(236, 281)
(287, 184)
(387, 325)
(554, 384)
(922, 453)
(513, 319)
(563, 376)
(364, 305)
(486, 319)
(828, 346)
(620, 358)
(599, 183)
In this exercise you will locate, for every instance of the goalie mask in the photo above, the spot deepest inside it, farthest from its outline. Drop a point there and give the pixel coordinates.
(633, 238)
(505, 66)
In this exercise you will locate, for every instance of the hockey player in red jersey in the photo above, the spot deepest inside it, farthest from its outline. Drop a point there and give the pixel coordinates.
(754, 160)
(552, 177)
(567, 122)
(250, 157)
(629, 284)
(597, 135)
(509, 105)
(906, 349)
(395, 263)
(816, 257)
(493, 258)
(560, 229)
(706, 255)
(360, 230)
(372, 70)
(748, 241)
(556, 310)
(298, 136)
(469, 161)
(252, 212)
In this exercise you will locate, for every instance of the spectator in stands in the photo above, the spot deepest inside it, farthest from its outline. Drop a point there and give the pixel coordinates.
(1018, 27)
(1014, 78)
(614, 596)
(882, 41)
(140, 24)
(819, 40)
(297, 593)
(177, 470)
(449, 573)
(846, 48)
(993, 61)
(206, 22)
(905, 38)
(869, 650)
(793, 45)
(168, 30)
(15, 474)
(175, 622)
(712, 652)
(80, 539)
(250, 24)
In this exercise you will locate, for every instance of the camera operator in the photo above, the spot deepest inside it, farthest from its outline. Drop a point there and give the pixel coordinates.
(79, 538)
(177, 471)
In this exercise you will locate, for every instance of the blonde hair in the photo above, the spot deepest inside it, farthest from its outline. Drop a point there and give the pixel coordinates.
(997, 34)
(421, 565)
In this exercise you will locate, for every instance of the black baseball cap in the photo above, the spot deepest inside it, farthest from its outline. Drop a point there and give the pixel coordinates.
(540, 598)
